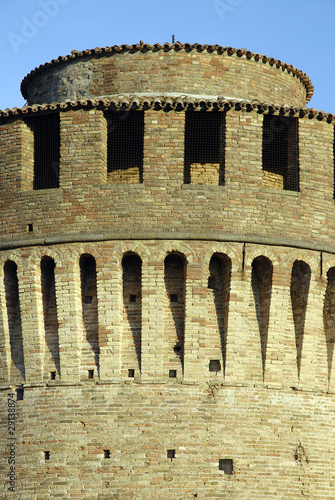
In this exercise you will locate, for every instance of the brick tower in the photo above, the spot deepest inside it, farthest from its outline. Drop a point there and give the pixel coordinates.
(167, 290)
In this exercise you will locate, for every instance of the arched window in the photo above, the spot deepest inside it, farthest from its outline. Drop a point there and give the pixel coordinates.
(14, 320)
(261, 281)
(51, 359)
(300, 282)
(132, 318)
(90, 344)
(329, 318)
(174, 313)
(217, 311)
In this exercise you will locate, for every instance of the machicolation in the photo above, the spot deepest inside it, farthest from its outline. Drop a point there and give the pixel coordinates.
(167, 291)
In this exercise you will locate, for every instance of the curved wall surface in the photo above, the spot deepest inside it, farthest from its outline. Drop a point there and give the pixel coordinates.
(167, 280)
(182, 69)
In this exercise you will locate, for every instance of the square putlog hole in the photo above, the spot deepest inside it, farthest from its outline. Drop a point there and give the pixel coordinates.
(214, 365)
(172, 373)
(171, 454)
(226, 464)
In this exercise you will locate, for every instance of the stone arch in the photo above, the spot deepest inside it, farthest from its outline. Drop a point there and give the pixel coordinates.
(167, 247)
(262, 251)
(313, 261)
(233, 252)
(261, 284)
(300, 285)
(328, 262)
(138, 248)
(34, 259)
(14, 256)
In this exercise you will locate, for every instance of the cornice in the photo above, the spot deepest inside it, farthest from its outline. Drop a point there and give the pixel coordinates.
(166, 103)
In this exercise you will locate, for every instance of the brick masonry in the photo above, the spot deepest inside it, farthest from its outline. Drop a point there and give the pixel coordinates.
(159, 327)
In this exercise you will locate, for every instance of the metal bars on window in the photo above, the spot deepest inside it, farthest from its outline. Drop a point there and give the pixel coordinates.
(125, 131)
(204, 147)
(280, 152)
(46, 131)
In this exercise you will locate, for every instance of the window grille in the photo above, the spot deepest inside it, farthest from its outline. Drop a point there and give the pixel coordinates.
(280, 152)
(125, 131)
(46, 130)
(204, 147)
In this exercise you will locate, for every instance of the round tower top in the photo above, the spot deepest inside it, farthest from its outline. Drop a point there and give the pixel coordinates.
(201, 70)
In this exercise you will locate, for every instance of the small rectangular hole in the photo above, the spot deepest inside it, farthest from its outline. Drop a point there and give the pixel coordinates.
(90, 373)
(47, 455)
(30, 228)
(53, 375)
(107, 454)
(214, 365)
(19, 394)
(131, 373)
(88, 299)
(132, 298)
(173, 297)
(171, 454)
(226, 464)
(172, 373)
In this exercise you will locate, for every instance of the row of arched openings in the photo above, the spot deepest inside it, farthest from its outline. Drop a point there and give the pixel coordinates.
(173, 328)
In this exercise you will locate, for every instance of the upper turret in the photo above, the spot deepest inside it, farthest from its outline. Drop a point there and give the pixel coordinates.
(196, 69)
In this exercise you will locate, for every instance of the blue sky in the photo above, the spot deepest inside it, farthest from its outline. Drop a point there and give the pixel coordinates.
(298, 32)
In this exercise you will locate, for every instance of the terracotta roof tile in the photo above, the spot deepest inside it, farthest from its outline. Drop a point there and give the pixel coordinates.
(167, 102)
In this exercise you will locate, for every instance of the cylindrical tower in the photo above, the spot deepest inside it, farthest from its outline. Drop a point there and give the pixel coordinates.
(167, 278)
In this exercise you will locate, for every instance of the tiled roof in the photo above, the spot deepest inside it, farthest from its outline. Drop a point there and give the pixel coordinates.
(145, 47)
(127, 102)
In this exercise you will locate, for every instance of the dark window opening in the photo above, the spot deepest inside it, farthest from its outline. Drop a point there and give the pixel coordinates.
(131, 373)
(226, 464)
(46, 130)
(211, 282)
(132, 298)
(90, 373)
(214, 365)
(88, 299)
(280, 152)
(30, 228)
(125, 131)
(19, 394)
(107, 454)
(172, 373)
(53, 375)
(47, 455)
(173, 297)
(204, 148)
(177, 348)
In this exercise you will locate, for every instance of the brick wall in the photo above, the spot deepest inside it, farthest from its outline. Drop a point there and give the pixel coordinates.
(190, 72)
